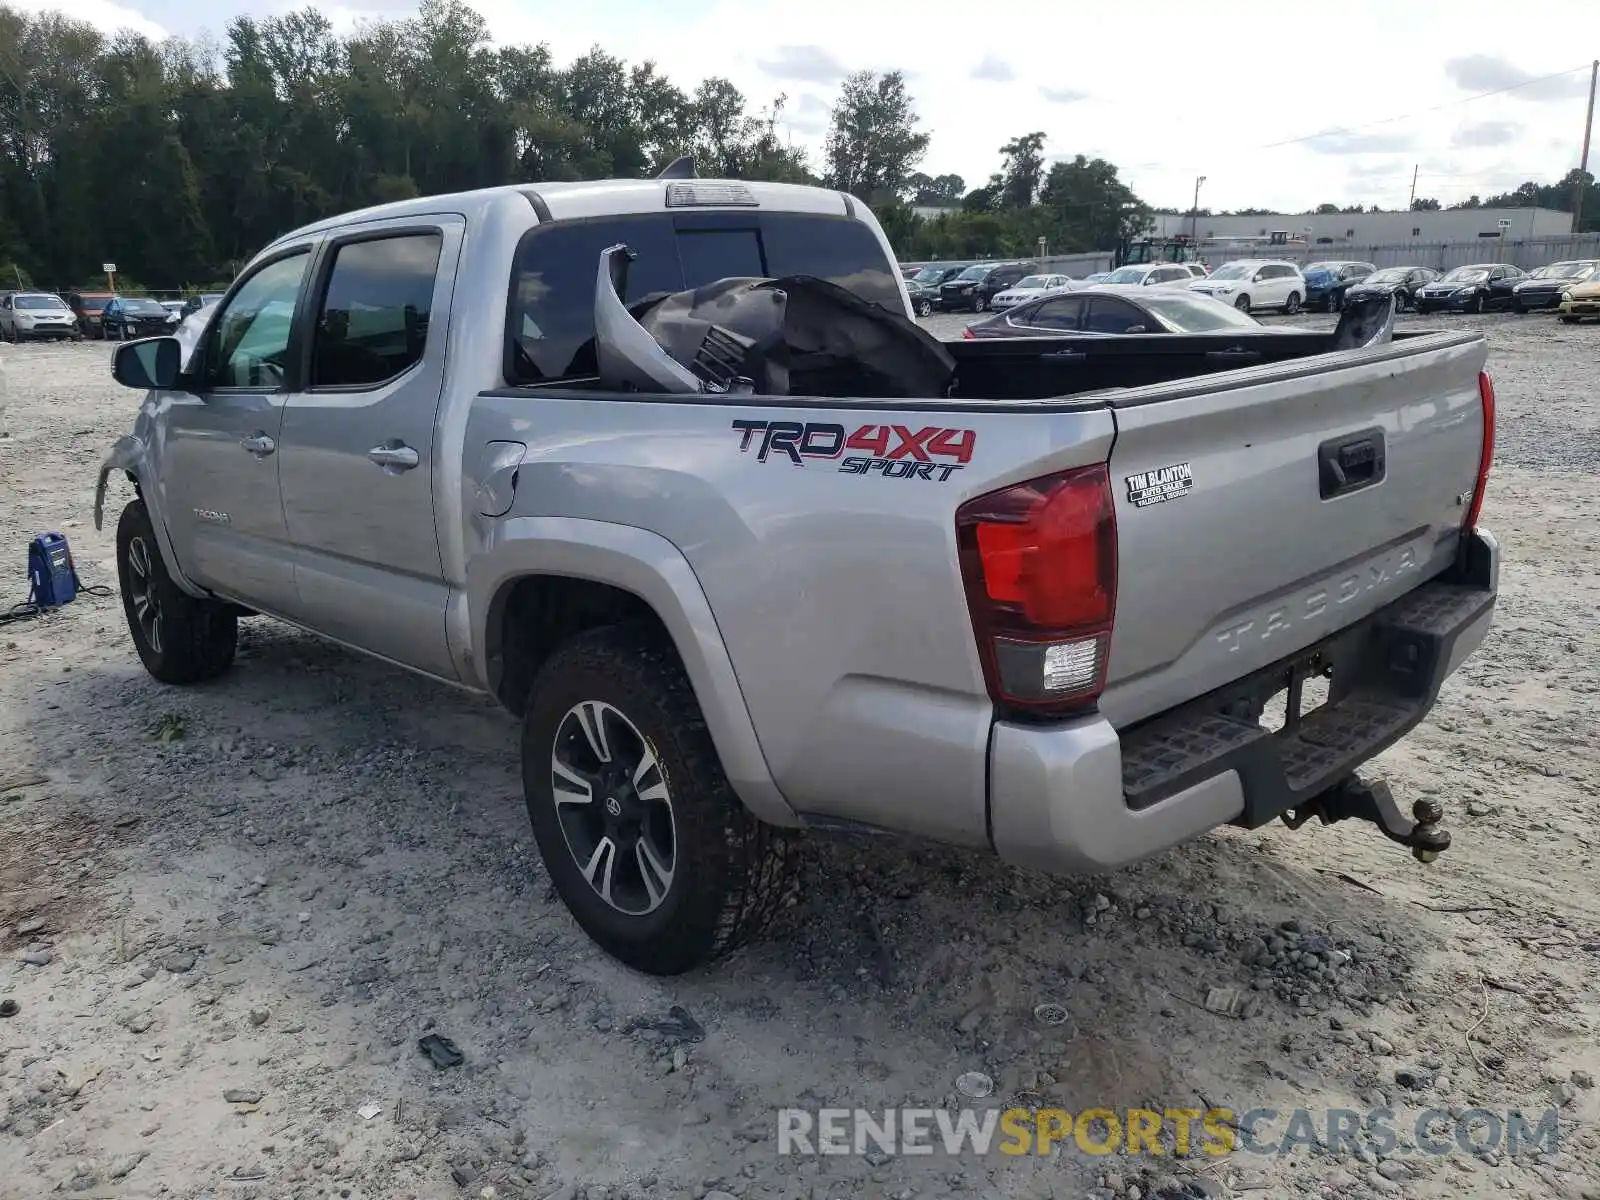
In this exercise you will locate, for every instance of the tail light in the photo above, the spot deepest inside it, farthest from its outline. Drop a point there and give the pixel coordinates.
(1486, 455)
(1039, 561)
(968, 334)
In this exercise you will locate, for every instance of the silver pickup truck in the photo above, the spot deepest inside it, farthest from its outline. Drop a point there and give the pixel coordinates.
(666, 468)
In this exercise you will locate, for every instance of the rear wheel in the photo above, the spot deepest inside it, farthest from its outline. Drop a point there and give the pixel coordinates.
(1242, 303)
(644, 839)
(1292, 304)
(180, 639)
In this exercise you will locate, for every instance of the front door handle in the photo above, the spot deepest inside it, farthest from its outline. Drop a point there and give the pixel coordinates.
(259, 444)
(394, 456)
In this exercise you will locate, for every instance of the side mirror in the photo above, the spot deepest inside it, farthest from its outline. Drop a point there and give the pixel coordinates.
(148, 364)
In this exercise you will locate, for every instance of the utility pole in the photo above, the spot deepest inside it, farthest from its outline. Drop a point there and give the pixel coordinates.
(1413, 199)
(1194, 213)
(1582, 185)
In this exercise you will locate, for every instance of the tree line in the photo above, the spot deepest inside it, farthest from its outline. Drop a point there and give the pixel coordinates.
(178, 160)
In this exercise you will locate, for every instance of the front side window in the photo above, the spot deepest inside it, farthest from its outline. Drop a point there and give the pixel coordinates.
(248, 345)
(1112, 316)
(373, 322)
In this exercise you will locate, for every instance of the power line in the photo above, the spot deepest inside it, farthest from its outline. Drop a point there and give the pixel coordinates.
(1311, 137)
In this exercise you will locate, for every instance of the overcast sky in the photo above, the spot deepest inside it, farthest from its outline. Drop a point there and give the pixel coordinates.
(1235, 90)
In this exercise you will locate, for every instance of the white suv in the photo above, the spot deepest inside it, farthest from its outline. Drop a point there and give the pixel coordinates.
(1149, 275)
(1251, 283)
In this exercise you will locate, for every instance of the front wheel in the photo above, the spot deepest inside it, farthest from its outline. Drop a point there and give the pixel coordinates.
(1292, 304)
(1476, 307)
(180, 639)
(979, 304)
(924, 309)
(644, 839)
(1568, 319)
(1400, 299)
(1242, 304)
(1335, 302)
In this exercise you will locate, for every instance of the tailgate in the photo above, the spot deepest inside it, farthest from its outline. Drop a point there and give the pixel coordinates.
(1261, 511)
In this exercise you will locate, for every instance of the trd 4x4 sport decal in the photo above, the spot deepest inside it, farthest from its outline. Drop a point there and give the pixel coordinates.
(893, 451)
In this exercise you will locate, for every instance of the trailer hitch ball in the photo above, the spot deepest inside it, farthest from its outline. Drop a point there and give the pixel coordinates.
(1428, 838)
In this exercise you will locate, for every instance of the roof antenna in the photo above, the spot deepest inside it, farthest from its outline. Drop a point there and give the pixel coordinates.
(679, 168)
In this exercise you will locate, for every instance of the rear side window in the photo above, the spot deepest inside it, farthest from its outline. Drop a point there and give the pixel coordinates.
(551, 319)
(373, 322)
(1061, 312)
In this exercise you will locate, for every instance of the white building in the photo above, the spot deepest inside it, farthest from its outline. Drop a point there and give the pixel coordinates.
(1449, 225)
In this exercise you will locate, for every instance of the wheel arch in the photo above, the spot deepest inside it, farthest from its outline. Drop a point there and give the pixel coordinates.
(130, 454)
(544, 579)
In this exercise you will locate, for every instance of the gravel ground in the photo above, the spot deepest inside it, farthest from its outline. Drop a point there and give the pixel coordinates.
(228, 913)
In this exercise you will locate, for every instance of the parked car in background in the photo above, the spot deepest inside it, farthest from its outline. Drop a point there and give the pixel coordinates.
(974, 288)
(1097, 277)
(1197, 270)
(1327, 282)
(1580, 302)
(1030, 287)
(923, 287)
(129, 317)
(1401, 282)
(200, 301)
(88, 308)
(1545, 287)
(1473, 288)
(26, 315)
(174, 310)
(1149, 275)
(1116, 310)
(1250, 283)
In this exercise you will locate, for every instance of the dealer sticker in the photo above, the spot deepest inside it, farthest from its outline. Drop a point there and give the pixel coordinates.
(1157, 487)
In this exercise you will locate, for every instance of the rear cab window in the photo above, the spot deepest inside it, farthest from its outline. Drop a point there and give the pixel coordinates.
(551, 319)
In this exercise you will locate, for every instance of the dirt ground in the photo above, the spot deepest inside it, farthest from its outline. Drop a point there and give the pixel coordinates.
(228, 913)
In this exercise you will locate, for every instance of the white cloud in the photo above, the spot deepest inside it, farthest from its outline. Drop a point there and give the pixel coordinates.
(1254, 149)
(102, 14)
(994, 70)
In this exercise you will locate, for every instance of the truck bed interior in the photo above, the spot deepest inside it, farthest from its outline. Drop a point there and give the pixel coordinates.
(1034, 369)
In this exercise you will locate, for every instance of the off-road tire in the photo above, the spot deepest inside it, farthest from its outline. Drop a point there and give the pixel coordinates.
(196, 638)
(731, 871)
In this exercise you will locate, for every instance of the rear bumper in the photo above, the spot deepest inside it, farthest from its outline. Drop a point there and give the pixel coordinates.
(1081, 797)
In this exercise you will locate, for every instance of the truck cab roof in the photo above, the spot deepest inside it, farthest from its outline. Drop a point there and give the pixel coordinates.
(577, 200)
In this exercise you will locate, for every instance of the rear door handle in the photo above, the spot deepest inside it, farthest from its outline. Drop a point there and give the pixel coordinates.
(259, 444)
(394, 456)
